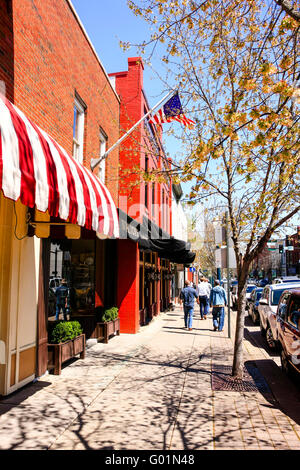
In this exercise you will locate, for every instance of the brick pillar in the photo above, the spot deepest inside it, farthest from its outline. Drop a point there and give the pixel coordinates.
(128, 286)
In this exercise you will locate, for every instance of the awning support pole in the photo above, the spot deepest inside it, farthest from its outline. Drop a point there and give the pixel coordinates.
(96, 161)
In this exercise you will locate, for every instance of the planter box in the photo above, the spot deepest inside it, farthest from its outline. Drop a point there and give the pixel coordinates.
(105, 330)
(88, 324)
(62, 352)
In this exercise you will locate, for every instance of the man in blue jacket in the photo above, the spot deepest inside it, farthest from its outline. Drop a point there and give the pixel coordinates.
(218, 300)
(62, 299)
(188, 296)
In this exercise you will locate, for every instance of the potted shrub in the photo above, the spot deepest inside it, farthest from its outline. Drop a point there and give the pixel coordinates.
(109, 324)
(66, 341)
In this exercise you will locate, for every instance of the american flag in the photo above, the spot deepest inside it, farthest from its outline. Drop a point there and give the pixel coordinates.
(172, 111)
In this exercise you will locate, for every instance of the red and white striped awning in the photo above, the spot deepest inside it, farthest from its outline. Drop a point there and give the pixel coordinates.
(37, 171)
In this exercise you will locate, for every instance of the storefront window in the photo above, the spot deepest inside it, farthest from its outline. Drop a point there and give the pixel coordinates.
(73, 261)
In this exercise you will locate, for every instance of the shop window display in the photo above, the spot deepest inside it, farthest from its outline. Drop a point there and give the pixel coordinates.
(73, 261)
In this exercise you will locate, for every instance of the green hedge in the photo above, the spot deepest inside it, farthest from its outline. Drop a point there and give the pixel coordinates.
(110, 314)
(65, 331)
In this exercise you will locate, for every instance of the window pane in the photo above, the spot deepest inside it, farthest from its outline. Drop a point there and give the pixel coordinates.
(276, 296)
(75, 124)
(73, 261)
(78, 131)
(153, 199)
(146, 195)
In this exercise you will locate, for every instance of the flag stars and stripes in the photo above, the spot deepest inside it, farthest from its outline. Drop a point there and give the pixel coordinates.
(172, 111)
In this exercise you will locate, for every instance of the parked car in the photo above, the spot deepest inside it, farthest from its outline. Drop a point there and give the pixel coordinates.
(250, 288)
(280, 280)
(262, 282)
(288, 328)
(253, 304)
(267, 310)
(234, 294)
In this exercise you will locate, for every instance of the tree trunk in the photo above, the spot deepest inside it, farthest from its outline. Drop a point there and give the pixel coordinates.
(238, 362)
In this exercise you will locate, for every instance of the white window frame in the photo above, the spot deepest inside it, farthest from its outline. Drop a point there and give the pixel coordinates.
(103, 148)
(78, 143)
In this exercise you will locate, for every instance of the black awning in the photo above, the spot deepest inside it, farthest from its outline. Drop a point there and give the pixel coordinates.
(172, 249)
(150, 237)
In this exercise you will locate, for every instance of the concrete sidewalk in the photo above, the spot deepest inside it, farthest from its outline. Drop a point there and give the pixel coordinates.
(153, 391)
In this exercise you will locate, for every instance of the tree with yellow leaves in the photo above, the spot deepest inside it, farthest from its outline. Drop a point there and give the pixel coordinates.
(236, 63)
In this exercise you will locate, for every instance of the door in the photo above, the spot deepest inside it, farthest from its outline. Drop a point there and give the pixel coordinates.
(43, 295)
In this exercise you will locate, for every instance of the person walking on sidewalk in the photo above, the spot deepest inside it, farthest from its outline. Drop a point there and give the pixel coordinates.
(218, 300)
(208, 284)
(188, 296)
(203, 292)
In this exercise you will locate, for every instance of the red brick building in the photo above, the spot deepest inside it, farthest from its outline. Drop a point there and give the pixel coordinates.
(142, 150)
(47, 60)
(293, 255)
(144, 276)
(58, 110)
(50, 71)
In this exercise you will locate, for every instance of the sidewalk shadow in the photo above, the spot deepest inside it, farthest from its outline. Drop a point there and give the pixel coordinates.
(285, 393)
(18, 397)
(183, 331)
(256, 339)
(248, 321)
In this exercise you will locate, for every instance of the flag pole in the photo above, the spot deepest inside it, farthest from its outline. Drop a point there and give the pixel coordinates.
(96, 161)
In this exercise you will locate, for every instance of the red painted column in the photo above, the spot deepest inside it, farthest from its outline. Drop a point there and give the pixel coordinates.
(128, 286)
(170, 199)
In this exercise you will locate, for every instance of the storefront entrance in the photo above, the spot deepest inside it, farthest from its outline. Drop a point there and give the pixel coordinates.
(88, 267)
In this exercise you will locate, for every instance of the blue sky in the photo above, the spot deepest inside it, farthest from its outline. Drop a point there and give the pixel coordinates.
(108, 22)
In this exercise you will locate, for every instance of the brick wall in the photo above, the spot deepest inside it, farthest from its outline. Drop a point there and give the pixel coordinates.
(53, 59)
(6, 49)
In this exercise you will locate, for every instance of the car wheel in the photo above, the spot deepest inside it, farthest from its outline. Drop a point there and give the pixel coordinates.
(262, 330)
(285, 363)
(270, 339)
